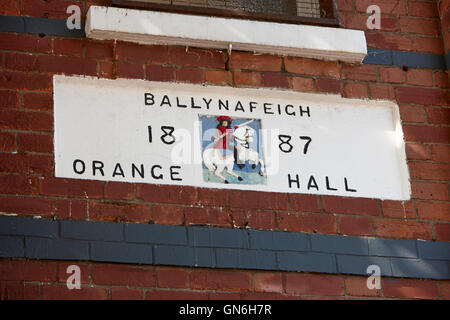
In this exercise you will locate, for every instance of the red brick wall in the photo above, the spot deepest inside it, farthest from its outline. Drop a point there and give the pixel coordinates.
(47, 280)
(28, 186)
(408, 25)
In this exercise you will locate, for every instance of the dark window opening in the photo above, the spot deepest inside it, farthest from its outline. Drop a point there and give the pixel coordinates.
(314, 12)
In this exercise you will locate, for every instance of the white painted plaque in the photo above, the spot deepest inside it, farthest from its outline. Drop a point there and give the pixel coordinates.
(221, 137)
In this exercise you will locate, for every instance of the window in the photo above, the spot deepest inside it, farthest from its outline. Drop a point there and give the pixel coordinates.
(308, 8)
(315, 12)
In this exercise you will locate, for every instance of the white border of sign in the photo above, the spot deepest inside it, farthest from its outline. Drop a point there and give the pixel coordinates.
(151, 27)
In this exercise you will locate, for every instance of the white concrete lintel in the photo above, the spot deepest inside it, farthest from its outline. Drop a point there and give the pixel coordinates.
(151, 27)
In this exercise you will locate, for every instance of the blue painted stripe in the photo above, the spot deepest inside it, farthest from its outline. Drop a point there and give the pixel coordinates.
(393, 248)
(35, 25)
(414, 268)
(418, 60)
(12, 247)
(358, 264)
(430, 250)
(246, 259)
(307, 262)
(339, 244)
(28, 227)
(447, 60)
(89, 230)
(220, 248)
(59, 249)
(142, 233)
(121, 252)
(405, 58)
(378, 56)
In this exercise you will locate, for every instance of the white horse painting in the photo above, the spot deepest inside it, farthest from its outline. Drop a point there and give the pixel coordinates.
(243, 135)
(216, 163)
(213, 160)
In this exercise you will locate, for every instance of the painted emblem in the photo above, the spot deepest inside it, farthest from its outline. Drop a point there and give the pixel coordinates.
(232, 150)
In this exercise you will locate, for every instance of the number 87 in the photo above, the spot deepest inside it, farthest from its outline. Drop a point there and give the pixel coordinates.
(286, 147)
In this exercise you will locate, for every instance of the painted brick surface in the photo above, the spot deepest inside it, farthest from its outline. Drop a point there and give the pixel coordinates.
(307, 262)
(393, 248)
(28, 227)
(246, 259)
(170, 255)
(229, 238)
(358, 264)
(440, 251)
(103, 231)
(413, 268)
(279, 241)
(418, 60)
(155, 234)
(40, 248)
(339, 244)
(12, 247)
(121, 252)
